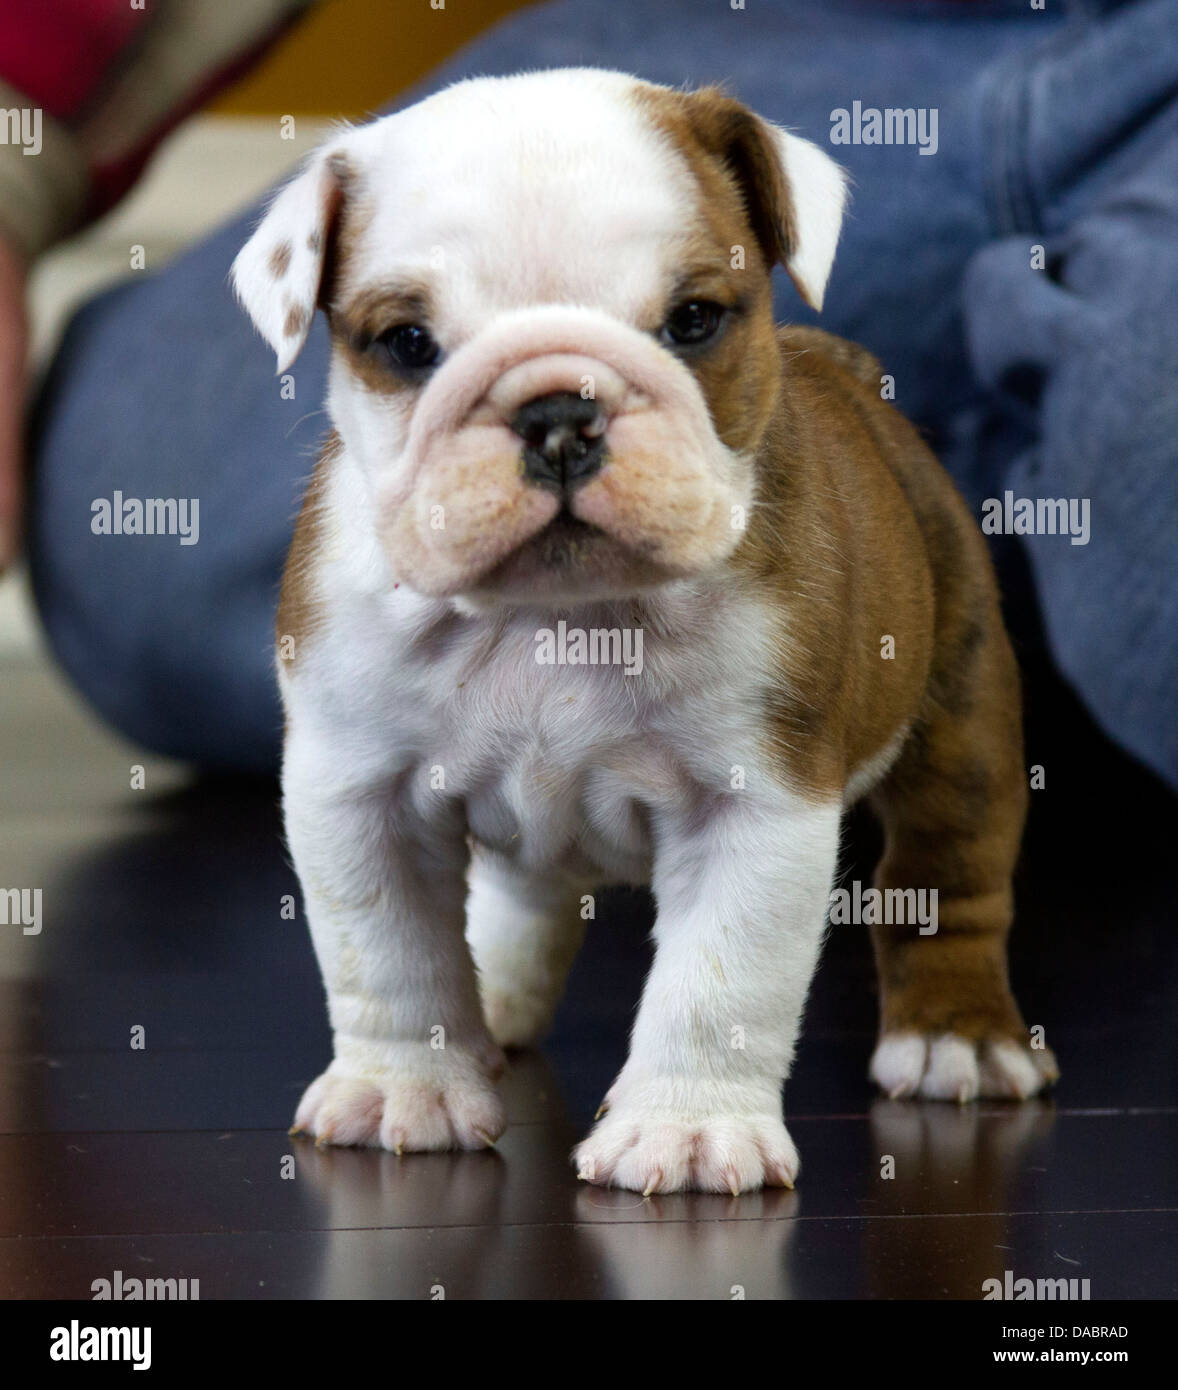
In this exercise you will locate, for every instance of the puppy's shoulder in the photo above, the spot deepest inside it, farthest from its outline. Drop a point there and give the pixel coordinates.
(840, 383)
(300, 608)
(824, 350)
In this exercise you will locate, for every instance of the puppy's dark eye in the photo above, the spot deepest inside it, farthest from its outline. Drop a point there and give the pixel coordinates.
(694, 321)
(410, 347)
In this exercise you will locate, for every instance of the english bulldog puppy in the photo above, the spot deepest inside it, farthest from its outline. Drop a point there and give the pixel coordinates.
(560, 405)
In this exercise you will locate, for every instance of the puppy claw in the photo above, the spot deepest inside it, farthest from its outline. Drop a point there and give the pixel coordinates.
(649, 1149)
(435, 1103)
(781, 1177)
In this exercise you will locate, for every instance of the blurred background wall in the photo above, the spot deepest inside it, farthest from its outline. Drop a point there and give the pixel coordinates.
(350, 57)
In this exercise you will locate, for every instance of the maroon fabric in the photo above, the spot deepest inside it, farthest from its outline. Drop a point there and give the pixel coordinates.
(60, 55)
(111, 179)
(56, 52)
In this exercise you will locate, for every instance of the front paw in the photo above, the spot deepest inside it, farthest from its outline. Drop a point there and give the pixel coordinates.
(947, 1066)
(417, 1100)
(659, 1148)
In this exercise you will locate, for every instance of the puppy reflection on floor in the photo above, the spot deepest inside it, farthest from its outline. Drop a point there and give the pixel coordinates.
(953, 1160)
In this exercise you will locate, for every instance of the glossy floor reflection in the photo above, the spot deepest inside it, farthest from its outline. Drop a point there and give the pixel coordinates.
(162, 911)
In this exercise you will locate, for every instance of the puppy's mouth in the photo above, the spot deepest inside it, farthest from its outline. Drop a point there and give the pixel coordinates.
(565, 539)
(563, 551)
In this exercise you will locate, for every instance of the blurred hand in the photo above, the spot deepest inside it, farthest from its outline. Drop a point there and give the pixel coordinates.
(13, 348)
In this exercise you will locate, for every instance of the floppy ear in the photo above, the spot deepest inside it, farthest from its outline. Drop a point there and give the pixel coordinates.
(278, 273)
(817, 193)
(794, 192)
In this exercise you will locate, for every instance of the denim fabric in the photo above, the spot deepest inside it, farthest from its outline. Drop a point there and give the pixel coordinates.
(1057, 128)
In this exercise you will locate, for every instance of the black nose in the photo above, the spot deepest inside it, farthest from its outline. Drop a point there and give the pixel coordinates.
(564, 438)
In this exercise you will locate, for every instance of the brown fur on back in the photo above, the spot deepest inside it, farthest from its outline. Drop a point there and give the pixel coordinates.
(859, 536)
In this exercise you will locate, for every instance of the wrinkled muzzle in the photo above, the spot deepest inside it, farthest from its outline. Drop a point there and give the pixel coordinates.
(560, 445)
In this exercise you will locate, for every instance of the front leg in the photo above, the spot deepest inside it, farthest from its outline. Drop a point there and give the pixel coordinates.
(742, 902)
(384, 892)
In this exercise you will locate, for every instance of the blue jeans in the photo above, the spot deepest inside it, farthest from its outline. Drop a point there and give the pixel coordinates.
(1049, 374)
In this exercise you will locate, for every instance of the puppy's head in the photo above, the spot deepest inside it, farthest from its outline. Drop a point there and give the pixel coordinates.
(550, 308)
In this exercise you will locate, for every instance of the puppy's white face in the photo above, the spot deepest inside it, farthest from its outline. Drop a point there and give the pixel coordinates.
(549, 299)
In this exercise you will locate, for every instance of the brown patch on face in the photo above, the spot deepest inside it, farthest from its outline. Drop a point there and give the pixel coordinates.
(715, 131)
(357, 314)
(280, 259)
(737, 376)
(741, 194)
(357, 324)
(299, 612)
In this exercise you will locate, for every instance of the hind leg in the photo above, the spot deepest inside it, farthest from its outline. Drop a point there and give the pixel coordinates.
(524, 932)
(953, 810)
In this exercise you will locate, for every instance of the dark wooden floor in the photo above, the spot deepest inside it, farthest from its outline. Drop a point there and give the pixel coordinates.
(162, 910)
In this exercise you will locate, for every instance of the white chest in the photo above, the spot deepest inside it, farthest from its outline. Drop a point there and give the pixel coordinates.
(565, 747)
(570, 761)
